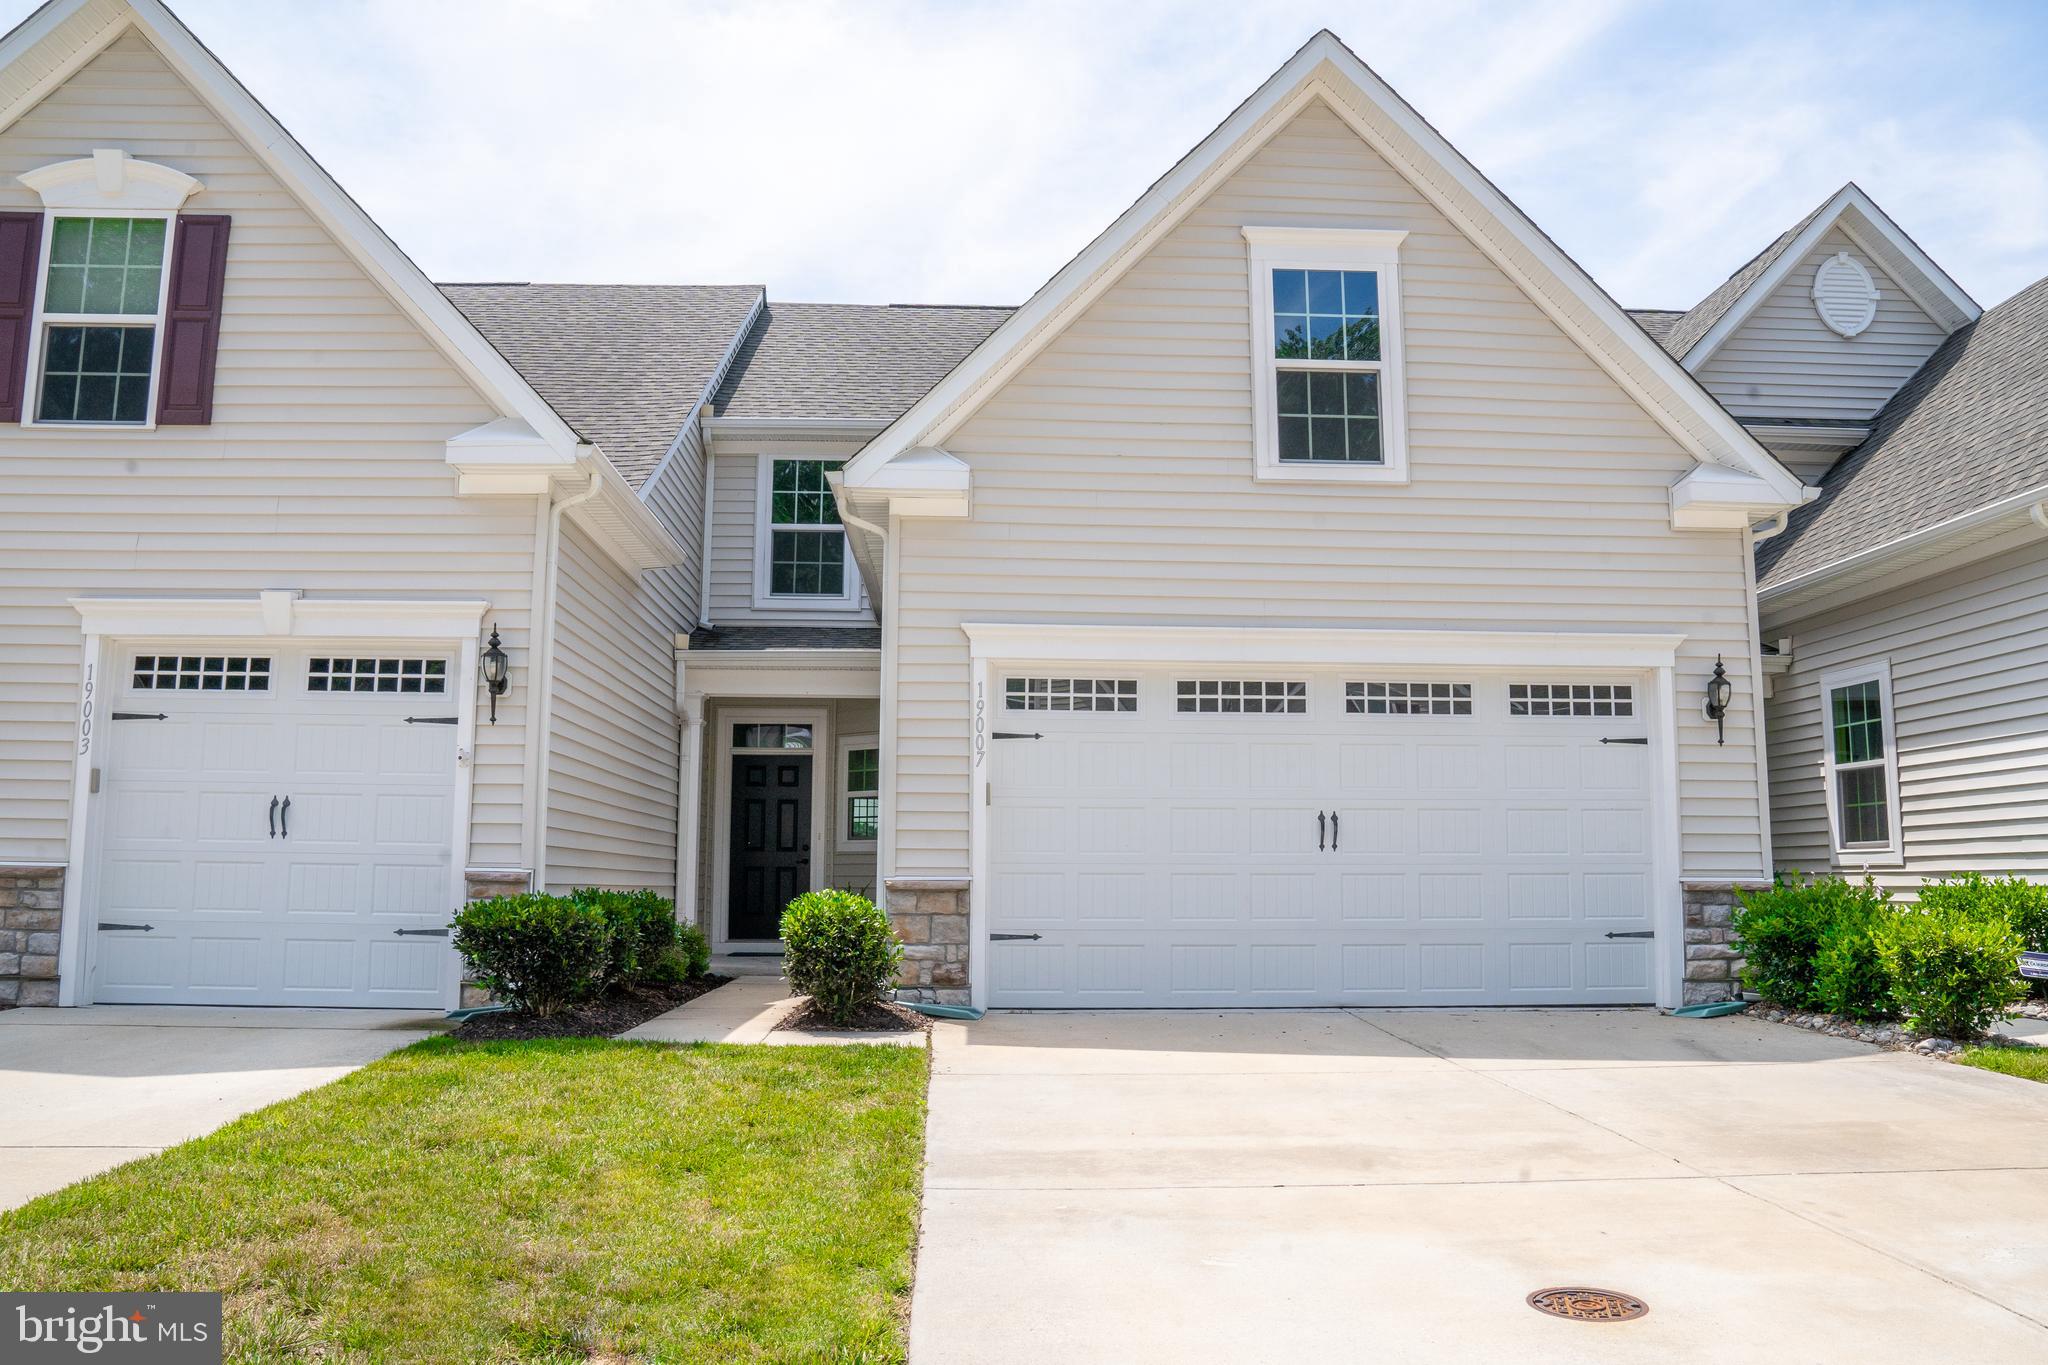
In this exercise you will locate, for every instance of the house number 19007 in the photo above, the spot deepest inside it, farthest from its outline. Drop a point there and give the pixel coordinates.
(980, 722)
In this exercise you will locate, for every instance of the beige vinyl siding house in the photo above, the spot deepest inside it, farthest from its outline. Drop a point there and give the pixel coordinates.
(1171, 721)
(323, 467)
(1783, 361)
(1113, 485)
(612, 796)
(1964, 653)
(246, 649)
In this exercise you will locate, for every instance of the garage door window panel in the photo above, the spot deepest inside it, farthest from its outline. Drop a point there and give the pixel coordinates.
(1408, 698)
(1592, 700)
(399, 676)
(1241, 696)
(1070, 694)
(201, 673)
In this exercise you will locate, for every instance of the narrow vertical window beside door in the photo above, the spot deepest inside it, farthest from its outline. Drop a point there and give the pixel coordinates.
(1862, 766)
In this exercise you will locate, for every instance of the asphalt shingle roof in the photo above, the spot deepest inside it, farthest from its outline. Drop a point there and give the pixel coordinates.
(1969, 429)
(1685, 333)
(786, 637)
(621, 363)
(1658, 322)
(849, 361)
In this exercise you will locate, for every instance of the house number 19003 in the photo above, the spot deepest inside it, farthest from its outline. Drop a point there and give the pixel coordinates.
(85, 714)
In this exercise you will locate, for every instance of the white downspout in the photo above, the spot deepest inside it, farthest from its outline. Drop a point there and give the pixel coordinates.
(543, 698)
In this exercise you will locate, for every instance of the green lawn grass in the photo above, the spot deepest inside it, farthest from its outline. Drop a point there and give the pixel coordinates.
(541, 1201)
(2028, 1062)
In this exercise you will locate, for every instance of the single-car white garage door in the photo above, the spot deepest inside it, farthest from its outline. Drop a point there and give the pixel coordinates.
(1293, 837)
(275, 826)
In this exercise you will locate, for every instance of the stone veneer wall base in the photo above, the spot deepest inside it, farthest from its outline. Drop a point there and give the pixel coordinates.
(479, 886)
(31, 920)
(1713, 968)
(930, 916)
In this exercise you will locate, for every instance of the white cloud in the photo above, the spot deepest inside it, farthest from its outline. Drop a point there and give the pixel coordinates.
(920, 150)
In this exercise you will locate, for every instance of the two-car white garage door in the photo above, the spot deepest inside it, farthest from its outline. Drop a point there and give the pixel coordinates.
(1291, 837)
(274, 826)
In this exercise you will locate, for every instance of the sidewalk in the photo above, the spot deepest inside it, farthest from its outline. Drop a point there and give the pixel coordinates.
(749, 1009)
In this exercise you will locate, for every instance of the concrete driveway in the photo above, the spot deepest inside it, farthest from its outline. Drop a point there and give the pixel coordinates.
(1389, 1186)
(82, 1090)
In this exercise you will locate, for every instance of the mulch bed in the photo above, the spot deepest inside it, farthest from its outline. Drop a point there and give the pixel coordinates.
(877, 1018)
(606, 1018)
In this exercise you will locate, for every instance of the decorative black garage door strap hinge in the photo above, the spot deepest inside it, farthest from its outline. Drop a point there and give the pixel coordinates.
(1625, 739)
(140, 715)
(1633, 933)
(1012, 734)
(1010, 938)
(423, 933)
(430, 720)
(145, 928)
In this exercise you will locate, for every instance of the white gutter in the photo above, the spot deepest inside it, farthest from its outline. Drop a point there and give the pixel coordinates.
(2031, 499)
(541, 707)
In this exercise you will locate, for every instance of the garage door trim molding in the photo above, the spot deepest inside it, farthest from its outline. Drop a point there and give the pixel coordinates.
(995, 645)
(271, 614)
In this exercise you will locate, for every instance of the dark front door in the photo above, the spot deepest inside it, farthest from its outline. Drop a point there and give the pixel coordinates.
(771, 841)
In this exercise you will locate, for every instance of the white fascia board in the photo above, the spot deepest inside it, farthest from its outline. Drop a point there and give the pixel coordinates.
(1712, 498)
(505, 457)
(1858, 215)
(1038, 642)
(359, 235)
(2032, 504)
(626, 529)
(1326, 69)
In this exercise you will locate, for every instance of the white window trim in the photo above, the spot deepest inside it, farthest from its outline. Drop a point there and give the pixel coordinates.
(1892, 852)
(1286, 248)
(848, 599)
(843, 793)
(107, 184)
(32, 401)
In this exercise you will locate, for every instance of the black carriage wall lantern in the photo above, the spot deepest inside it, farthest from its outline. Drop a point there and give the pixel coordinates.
(497, 672)
(1719, 692)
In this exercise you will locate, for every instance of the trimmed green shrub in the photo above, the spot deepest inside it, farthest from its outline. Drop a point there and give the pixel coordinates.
(688, 958)
(538, 953)
(2017, 901)
(1780, 932)
(643, 929)
(1850, 978)
(1953, 966)
(839, 949)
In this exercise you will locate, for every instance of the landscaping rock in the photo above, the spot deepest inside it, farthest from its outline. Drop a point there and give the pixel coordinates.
(1890, 1036)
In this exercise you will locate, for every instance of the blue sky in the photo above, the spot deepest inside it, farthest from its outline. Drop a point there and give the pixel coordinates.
(961, 152)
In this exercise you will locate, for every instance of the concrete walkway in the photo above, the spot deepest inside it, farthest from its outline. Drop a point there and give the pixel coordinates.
(750, 1009)
(83, 1090)
(1390, 1186)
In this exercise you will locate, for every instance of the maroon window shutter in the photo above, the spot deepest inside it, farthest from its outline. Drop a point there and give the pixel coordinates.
(199, 266)
(21, 241)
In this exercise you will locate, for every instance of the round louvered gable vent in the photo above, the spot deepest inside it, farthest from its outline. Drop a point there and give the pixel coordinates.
(1844, 294)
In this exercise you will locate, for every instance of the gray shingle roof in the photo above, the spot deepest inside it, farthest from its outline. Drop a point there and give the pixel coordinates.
(1658, 322)
(1969, 429)
(786, 637)
(1685, 333)
(621, 363)
(849, 361)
